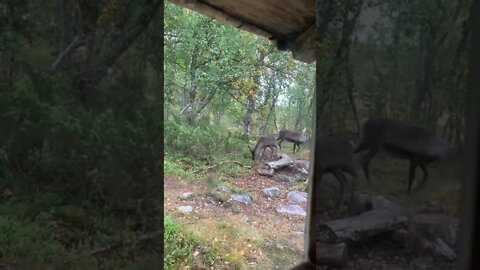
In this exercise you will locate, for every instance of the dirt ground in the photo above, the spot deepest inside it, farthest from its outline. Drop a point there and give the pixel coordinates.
(276, 239)
(281, 235)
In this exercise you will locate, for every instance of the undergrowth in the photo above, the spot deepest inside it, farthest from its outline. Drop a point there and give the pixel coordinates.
(75, 178)
(198, 151)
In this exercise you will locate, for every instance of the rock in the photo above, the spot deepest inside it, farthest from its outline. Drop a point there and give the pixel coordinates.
(443, 251)
(392, 267)
(400, 236)
(223, 189)
(423, 263)
(245, 218)
(301, 166)
(331, 254)
(297, 196)
(437, 226)
(211, 200)
(291, 209)
(283, 179)
(269, 243)
(242, 198)
(271, 192)
(363, 202)
(300, 178)
(185, 209)
(186, 195)
(265, 172)
(284, 161)
(216, 197)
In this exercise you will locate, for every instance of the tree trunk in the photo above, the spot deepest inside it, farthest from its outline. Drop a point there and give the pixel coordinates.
(340, 58)
(247, 119)
(101, 54)
(423, 83)
(350, 86)
(273, 101)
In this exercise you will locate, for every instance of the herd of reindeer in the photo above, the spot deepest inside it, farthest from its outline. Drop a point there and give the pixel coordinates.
(335, 155)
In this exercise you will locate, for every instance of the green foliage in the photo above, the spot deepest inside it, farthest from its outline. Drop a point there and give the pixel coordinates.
(26, 245)
(202, 141)
(91, 155)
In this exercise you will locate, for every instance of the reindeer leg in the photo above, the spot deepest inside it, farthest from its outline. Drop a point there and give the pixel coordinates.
(425, 175)
(294, 145)
(352, 191)
(263, 153)
(273, 151)
(341, 180)
(280, 144)
(368, 157)
(411, 175)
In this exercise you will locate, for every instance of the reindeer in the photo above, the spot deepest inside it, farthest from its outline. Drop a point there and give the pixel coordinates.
(404, 141)
(262, 144)
(335, 155)
(291, 136)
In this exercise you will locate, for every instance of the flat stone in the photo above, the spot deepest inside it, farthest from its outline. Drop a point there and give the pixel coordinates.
(265, 172)
(224, 189)
(291, 209)
(297, 196)
(186, 195)
(185, 209)
(271, 192)
(242, 198)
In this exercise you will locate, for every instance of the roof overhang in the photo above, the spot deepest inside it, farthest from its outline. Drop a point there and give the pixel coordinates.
(290, 24)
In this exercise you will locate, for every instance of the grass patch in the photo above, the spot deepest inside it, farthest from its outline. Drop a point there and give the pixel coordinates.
(237, 190)
(43, 233)
(389, 176)
(27, 245)
(184, 248)
(232, 239)
(219, 196)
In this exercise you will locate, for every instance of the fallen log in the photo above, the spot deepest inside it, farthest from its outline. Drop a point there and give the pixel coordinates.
(331, 254)
(442, 250)
(360, 227)
(282, 162)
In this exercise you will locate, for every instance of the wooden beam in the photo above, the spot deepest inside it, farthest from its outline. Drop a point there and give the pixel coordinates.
(305, 48)
(216, 14)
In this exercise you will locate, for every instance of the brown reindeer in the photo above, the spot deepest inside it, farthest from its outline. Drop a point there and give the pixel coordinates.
(404, 141)
(262, 144)
(335, 155)
(291, 136)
